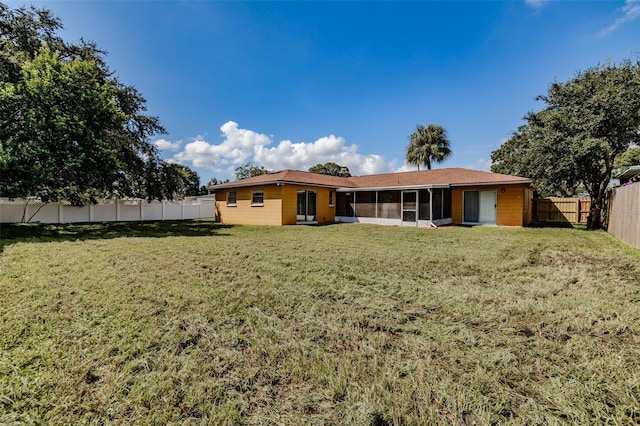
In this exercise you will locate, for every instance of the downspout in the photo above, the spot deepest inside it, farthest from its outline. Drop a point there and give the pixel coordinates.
(431, 206)
(377, 205)
(354, 205)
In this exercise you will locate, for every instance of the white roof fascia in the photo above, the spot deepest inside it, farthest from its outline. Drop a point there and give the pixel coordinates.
(512, 182)
(274, 182)
(322, 185)
(392, 188)
(628, 172)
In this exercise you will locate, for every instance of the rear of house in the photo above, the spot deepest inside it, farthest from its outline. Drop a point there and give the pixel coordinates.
(422, 198)
(285, 198)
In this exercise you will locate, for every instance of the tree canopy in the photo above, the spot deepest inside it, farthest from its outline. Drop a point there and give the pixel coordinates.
(574, 141)
(215, 181)
(249, 169)
(180, 181)
(630, 157)
(69, 130)
(332, 169)
(428, 144)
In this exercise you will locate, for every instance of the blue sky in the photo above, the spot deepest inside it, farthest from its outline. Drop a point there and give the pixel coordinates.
(293, 84)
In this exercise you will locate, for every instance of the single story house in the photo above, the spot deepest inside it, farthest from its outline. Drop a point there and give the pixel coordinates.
(419, 198)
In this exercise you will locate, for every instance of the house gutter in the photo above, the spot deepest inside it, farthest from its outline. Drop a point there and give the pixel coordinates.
(272, 182)
(507, 182)
(392, 188)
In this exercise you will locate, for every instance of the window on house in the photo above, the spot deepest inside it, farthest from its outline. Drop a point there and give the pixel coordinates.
(231, 198)
(257, 199)
(331, 198)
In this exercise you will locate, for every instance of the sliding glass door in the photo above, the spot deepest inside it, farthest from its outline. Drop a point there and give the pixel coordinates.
(480, 207)
(306, 206)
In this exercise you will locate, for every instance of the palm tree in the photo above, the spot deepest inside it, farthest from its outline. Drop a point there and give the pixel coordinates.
(428, 144)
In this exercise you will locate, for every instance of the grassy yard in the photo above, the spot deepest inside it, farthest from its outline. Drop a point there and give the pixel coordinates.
(196, 323)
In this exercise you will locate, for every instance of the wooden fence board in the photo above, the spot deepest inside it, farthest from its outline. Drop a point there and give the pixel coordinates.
(624, 214)
(556, 209)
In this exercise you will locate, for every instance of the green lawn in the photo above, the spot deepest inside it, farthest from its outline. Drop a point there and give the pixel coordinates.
(197, 323)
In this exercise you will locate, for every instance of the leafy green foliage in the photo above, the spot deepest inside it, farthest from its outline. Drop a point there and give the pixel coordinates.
(332, 169)
(630, 157)
(574, 141)
(69, 130)
(215, 181)
(248, 170)
(428, 144)
(180, 181)
(528, 154)
(22, 33)
(54, 124)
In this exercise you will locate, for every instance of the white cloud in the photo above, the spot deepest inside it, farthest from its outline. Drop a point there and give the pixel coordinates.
(630, 11)
(242, 145)
(483, 164)
(237, 147)
(163, 144)
(303, 155)
(407, 168)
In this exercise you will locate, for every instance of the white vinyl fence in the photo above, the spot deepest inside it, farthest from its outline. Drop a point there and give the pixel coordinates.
(13, 211)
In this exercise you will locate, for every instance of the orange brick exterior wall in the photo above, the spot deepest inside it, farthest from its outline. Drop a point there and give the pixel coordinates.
(270, 213)
(279, 207)
(514, 205)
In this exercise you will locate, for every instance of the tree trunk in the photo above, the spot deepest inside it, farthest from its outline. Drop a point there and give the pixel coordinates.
(597, 203)
(593, 221)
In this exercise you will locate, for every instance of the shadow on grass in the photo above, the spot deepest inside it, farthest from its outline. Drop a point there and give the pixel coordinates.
(551, 225)
(35, 232)
(577, 226)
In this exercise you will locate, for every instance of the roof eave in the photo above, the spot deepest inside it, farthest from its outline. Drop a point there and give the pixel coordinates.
(506, 182)
(391, 188)
(430, 186)
(272, 182)
(628, 172)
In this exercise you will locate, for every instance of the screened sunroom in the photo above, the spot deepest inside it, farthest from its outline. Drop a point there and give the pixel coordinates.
(406, 207)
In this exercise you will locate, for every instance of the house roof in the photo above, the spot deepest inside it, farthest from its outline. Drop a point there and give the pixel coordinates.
(425, 178)
(289, 176)
(628, 173)
(439, 177)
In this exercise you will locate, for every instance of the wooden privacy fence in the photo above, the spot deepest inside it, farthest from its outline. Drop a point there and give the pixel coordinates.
(624, 214)
(556, 209)
(13, 211)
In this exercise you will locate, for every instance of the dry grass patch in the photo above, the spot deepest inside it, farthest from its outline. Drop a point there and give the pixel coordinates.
(344, 324)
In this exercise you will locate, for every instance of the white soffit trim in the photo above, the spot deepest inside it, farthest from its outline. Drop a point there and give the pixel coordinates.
(492, 183)
(393, 188)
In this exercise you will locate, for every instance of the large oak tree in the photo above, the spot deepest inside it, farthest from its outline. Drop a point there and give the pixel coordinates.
(587, 122)
(69, 130)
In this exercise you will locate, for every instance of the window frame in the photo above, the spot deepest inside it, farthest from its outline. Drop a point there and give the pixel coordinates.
(331, 199)
(253, 198)
(235, 199)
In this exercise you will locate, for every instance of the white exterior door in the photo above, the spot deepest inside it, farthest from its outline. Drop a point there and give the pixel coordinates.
(480, 207)
(488, 207)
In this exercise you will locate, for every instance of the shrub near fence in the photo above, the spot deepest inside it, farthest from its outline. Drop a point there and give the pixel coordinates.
(556, 209)
(12, 211)
(624, 214)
